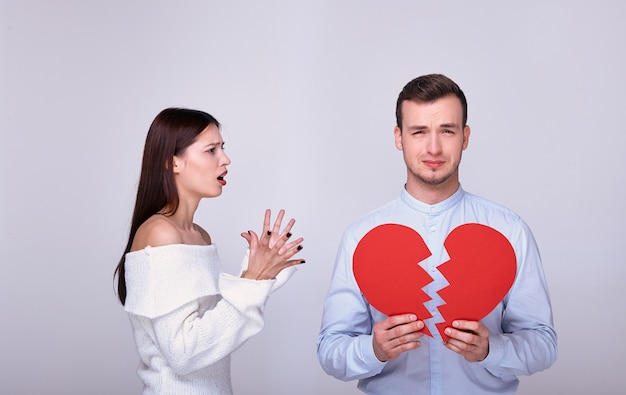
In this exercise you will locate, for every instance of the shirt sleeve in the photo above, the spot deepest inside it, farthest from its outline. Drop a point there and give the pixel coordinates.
(344, 346)
(528, 341)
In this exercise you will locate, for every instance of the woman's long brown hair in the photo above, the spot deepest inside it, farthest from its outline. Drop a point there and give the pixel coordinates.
(171, 132)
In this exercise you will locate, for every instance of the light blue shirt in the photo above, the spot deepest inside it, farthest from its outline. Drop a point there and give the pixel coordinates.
(522, 338)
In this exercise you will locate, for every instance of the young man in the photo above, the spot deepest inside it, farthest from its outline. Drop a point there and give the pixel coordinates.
(391, 354)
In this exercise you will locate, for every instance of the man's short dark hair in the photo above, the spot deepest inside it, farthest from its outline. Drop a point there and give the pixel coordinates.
(428, 88)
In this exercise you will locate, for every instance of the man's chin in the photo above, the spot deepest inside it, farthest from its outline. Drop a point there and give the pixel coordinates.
(434, 181)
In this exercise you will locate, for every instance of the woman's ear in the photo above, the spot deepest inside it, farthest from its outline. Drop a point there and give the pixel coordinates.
(176, 163)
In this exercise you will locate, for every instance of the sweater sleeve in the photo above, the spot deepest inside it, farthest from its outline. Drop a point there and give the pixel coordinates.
(192, 312)
(206, 330)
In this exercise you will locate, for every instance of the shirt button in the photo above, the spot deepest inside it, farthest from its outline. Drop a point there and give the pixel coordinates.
(432, 229)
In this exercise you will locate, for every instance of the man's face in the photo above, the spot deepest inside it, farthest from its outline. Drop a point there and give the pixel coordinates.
(432, 139)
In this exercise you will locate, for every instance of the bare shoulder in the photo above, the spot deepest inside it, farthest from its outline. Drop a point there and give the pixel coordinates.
(156, 231)
(205, 235)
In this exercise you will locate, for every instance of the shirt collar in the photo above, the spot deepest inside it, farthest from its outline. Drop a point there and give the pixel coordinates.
(432, 208)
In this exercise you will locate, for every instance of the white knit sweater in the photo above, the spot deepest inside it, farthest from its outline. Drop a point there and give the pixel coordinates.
(188, 317)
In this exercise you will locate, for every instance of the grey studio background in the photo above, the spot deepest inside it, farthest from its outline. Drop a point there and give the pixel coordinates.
(306, 93)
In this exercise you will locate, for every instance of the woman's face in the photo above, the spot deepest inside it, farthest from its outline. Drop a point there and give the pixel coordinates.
(200, 170)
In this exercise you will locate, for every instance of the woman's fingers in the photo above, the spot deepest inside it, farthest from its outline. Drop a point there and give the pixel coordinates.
(287, 230)
(266, 223)
(273, 249)
(291, 246)
(267, 233)
(253, 240)
(277, 235)
(291, 249)
(294, 262)
(285, 235)
(278, 222)
(277, 238)
(247, 236)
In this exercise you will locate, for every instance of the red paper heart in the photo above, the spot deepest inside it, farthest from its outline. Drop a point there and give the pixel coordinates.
(480, 271)
(387, 270)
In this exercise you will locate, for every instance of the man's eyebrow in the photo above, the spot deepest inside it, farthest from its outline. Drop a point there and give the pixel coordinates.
(449, 125)
(417, 127)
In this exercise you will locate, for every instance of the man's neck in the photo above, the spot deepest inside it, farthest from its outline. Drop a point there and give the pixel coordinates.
(432, 194)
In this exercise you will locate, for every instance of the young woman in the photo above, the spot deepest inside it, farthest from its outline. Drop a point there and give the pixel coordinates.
(187, 316)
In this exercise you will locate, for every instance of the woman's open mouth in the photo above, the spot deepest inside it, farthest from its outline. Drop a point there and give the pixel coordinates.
(221, 179)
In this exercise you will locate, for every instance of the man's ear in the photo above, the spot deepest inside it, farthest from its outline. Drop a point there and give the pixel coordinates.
(466, 136)
(397, 133)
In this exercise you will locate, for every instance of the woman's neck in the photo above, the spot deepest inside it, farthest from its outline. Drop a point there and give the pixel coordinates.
(182, 218)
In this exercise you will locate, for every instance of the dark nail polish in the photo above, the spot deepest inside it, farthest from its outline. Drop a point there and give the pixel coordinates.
(300, 247)
(288, 234)
(269, 232)
(249, 233)
(303, 261)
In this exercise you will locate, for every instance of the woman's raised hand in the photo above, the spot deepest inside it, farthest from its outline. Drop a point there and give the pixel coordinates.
(272, 252)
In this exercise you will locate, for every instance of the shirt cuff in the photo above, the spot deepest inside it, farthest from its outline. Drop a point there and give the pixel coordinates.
(369, 358)
(496, 352)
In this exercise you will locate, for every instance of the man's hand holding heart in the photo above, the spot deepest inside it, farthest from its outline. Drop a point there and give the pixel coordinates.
(395, 335)
(468, 338)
